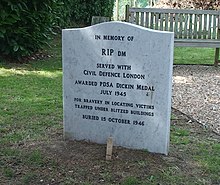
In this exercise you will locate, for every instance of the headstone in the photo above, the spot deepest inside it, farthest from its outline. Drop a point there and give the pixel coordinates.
(117, 80)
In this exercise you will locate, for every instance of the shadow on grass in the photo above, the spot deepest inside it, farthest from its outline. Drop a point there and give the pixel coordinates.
(51, 63)
(31, 102)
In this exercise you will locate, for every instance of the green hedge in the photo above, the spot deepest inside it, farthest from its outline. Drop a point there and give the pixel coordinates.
(83, 10)
(26, 26)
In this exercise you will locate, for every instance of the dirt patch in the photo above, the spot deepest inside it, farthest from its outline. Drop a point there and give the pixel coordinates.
(81, 162)
(196, 93)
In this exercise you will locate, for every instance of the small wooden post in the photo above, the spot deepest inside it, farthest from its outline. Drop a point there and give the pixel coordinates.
(109, 148)
(217, 49)
(127, 13)
(216, 57)
(117, 10)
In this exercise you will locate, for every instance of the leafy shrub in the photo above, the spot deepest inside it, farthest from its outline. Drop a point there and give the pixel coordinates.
(25, 26)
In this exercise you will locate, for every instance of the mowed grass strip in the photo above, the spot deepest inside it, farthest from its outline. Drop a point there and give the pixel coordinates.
(31, 98)
(194, 56)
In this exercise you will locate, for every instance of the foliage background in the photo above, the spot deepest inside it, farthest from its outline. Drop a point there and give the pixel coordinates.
(190, 4)
(26, 26)
(180, 4)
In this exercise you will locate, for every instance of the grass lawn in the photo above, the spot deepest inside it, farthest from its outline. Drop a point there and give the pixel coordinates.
(32, 150)
(188, 55)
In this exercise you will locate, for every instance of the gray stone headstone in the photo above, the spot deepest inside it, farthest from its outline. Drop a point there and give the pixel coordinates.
(117, 80)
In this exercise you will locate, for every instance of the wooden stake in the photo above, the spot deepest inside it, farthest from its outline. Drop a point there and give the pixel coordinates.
(117, 10)
(109, 148)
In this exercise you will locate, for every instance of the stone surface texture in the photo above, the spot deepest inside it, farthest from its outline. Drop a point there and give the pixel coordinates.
(117, 83)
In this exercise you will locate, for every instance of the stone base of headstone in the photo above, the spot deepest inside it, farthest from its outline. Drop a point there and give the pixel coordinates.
(99, 19)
